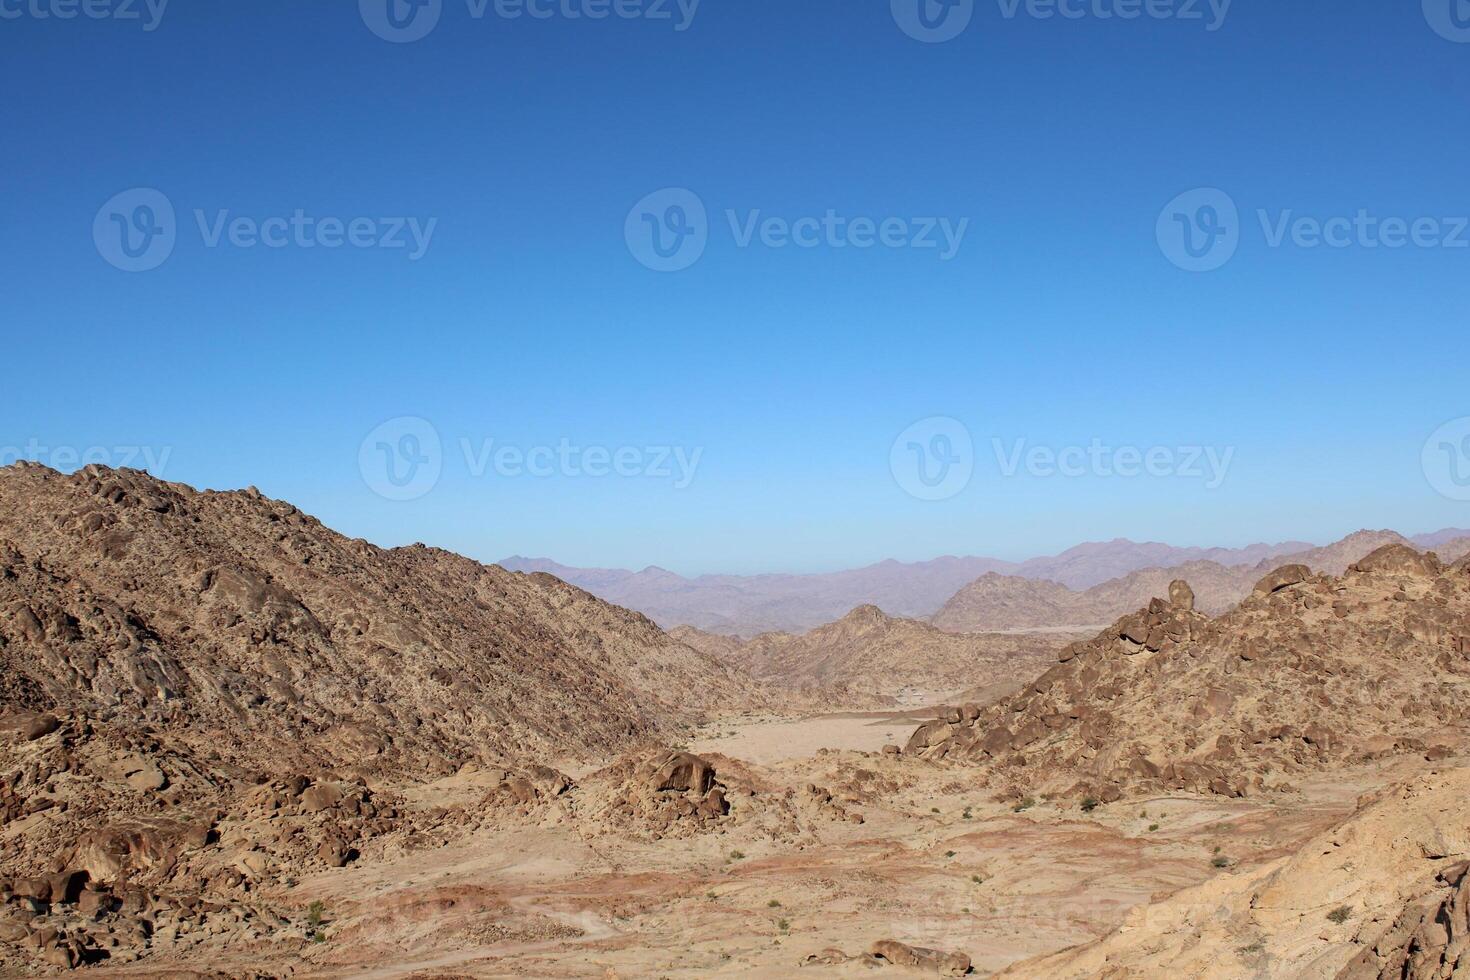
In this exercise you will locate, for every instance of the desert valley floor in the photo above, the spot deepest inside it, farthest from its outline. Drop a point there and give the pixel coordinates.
(236, 744)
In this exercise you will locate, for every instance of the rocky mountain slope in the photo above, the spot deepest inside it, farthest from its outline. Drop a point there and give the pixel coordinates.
(123, 595)
(1384, 895)
(1309, 671)
(882, 658)
(201, 692)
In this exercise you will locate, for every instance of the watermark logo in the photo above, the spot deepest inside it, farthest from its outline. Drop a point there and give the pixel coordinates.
(1446, 459)
(401, 21)
(933, 21)
(149, 13)
(933, 459)
(1199, 231)
(404, 459)
(1450, 19)
(401, 459)
(405, 21)
(668, 230)
(136, 230)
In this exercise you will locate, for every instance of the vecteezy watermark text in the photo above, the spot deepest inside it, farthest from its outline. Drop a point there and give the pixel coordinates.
(669, 230)
(147, 13)
(404, 458)
(154, 459)
(1208, 464)
(936, 21)
(137, 230)
(935, 459)
(566, 459)
(1211, 13)
(405, 21)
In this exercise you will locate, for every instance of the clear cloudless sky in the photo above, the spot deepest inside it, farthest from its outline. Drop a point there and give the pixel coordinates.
(528, 320)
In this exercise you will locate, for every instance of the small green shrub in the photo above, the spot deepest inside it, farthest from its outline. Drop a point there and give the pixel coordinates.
(1221, 861)
(773, 904)
(1340, 914)
(315, 914)
(1153, 826)
(1090, 804)
(1025, 804)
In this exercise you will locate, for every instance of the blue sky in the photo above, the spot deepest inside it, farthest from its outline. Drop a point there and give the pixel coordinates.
(528, 319)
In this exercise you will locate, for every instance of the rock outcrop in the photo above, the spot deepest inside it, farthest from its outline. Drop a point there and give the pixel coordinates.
(1386, 894)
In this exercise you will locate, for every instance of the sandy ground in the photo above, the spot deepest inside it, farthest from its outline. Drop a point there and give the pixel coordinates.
(771, 740)
(934, 863)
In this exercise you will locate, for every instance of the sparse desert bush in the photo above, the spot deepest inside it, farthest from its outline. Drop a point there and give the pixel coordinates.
(1090, 804)
(1153, 826)
(315, 914)
(1340, 914)
(1220, 861)
(1025, 804)
(773, 904)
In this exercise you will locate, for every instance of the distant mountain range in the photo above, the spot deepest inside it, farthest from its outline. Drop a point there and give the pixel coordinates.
(1008, 602)
(746, 605)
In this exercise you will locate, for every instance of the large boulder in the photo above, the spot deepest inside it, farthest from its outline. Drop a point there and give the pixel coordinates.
(1181, 596)
(683, 772)
(902, 954)
(1283, 578)
(1399, 559)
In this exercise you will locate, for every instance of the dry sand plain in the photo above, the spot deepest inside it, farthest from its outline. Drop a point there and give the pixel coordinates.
(935, 863)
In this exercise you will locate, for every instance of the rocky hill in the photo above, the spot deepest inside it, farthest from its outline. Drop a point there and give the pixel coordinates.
(876, 658)
(123, 596)
(1309, 671)
(202, 691)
